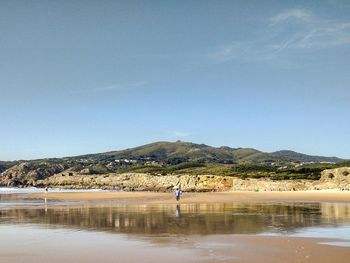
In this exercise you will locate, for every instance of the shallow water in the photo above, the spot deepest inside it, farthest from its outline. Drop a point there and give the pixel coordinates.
(285, 218)
(50, 223)
(18, 190)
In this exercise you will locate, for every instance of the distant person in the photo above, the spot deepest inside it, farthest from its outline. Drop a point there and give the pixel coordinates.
(46, 189)
(178, 194)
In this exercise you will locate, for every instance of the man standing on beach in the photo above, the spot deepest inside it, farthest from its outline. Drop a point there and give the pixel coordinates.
(177, 194)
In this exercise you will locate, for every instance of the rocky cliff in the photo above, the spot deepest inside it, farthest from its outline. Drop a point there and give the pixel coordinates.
(338, 178)
(331, 179)
(139, 182)
(27, 173)
(57, 175)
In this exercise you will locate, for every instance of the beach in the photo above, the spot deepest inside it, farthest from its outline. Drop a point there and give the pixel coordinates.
(153, 227)
(205, 197)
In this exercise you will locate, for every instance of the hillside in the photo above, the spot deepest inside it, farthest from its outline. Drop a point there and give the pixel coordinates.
(161, 158)
(5, 165)
(178, 152)
(299, 157)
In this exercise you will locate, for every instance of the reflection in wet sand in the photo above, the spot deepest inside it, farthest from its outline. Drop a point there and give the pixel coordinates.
(186, 219)
(177, 212)
(33, 230)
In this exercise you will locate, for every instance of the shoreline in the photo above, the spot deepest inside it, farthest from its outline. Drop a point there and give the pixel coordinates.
(204, 197)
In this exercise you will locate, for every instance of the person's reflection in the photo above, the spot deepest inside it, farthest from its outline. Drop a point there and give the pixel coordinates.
(177, 212)
(45, 205)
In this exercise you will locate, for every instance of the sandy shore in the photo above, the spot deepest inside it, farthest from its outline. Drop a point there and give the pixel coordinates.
(172, 248)
(57, 246)
(211, 197)
(248, 249)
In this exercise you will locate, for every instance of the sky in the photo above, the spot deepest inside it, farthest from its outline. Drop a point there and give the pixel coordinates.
(80, 77)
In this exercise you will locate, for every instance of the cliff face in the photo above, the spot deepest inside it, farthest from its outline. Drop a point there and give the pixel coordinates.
(139, 182)
(56, 175)
(338, 178)
(26, 174)
(147, 182)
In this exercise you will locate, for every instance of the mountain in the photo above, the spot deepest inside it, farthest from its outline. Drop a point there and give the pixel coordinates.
(178, 152)
(299, 157)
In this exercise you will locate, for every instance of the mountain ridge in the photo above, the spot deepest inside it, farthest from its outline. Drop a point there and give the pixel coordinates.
(178, 149)
(296, 156)
(188, 151)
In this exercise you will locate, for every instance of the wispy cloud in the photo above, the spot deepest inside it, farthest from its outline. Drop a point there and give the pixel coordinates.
(329, 36)
(245, 51)
(291, 30)
(109, 88)
(295, 15)
(126, 86)
(313, 32)
(229, 52)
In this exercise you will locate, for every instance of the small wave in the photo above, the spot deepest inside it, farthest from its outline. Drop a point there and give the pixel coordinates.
(19, 190)
(25, 190)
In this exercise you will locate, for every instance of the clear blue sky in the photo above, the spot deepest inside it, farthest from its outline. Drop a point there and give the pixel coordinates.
(80, 77)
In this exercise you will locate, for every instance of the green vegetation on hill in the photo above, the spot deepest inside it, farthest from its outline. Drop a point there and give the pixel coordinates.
(243, 171)
(343, 164)
(178, 152)
(5, 165)
(299, 157)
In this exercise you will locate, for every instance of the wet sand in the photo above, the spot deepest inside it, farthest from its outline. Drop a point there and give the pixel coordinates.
(209, 197)
(280, 249)
(52, 245)
(85, 246)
